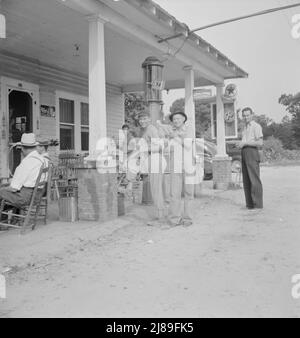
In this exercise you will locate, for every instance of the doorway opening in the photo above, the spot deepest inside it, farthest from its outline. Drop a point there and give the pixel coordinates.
(20, 122)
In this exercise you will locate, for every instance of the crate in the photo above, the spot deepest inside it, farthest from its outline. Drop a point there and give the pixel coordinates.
(71, 159)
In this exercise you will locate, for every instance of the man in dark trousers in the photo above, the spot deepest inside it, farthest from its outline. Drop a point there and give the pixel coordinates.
(251, 142)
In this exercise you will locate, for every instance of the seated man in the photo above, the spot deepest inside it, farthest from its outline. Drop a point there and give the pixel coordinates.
(20, 190)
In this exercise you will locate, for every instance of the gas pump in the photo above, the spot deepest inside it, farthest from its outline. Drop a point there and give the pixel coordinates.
(153, 87)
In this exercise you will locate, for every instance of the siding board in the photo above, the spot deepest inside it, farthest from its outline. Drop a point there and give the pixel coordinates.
(51, 79)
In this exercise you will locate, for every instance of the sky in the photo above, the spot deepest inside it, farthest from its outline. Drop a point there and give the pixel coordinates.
(262, 46)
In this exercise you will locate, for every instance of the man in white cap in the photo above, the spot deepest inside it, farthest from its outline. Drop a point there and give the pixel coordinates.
(20, 191)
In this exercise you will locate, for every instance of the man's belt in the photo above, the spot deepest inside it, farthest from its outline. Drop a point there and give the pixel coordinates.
(252, 147)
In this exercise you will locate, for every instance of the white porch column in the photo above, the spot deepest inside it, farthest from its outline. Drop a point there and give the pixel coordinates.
(97, 83)
(221, 141)
(2, 26)
(222, 175)
(189, 99)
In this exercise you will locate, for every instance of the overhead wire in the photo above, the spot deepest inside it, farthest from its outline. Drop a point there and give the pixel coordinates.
(285, 16)
(264, 12)
(282, 9)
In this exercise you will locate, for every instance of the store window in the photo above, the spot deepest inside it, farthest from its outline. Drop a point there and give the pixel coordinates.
(73, 122)
(67, 124)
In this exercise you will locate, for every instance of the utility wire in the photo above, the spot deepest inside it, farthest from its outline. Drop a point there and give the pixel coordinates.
(268, 11)
(284, 15)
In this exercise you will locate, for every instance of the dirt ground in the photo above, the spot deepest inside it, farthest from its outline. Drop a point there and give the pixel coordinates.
(230, 263)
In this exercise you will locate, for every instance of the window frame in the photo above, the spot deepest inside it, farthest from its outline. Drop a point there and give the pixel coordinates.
(67, 124)
(84, 126)
(78, 99)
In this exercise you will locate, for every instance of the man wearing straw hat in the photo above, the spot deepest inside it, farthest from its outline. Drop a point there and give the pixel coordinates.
(20, 190)
(181, 186)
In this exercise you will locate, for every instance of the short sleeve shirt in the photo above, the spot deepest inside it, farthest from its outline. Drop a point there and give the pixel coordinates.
(252, 132)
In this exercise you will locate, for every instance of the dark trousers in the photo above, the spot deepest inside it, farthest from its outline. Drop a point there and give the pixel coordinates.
(18, 199)
(251, 178)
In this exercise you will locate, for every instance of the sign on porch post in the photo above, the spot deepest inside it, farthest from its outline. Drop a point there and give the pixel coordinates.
(2, 27)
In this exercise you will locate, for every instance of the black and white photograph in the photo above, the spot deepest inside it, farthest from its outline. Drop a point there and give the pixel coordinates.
(149, 161)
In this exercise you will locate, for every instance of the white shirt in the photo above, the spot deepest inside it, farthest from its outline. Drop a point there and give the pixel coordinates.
(46, 159)
(252, 132)
(28, 171)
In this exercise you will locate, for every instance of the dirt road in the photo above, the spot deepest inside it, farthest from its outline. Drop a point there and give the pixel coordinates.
(230, 263)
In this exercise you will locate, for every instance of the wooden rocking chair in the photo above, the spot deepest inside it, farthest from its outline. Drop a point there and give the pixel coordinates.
(29, 215)
(42, 208)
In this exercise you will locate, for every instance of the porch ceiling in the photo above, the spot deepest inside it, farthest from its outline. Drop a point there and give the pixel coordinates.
(49, 32)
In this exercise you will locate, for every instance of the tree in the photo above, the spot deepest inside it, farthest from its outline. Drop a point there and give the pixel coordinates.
(282, 131)
(202, 119)
(266, 123)
(292, 104)
(134, 104)
(177, 105)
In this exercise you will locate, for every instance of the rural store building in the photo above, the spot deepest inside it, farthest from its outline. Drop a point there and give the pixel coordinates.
(66, 64)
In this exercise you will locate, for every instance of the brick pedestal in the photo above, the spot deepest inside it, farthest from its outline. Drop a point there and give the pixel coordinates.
(222, 176)
(97, 194)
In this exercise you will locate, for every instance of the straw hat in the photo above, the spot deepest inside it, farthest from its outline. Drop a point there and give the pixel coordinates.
(28, 141)
(43, 142)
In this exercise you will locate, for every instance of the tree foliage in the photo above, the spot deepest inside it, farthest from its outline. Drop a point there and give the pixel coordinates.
(287, 131)
(203, 117)
(134, 104)
(292, 104)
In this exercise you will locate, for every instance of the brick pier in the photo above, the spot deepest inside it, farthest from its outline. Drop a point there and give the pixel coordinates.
(98, 199)
(222, 175)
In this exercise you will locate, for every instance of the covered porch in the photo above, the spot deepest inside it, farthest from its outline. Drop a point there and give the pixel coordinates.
(91, 52)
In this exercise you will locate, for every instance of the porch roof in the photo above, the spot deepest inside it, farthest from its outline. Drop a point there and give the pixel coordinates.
(166, 19)
(56, 33)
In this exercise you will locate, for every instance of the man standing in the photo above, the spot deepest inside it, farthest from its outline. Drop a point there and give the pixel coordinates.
(251, 142)
(181, 148)
(21, 188)
(153, 156)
